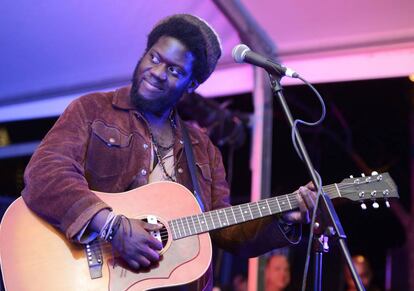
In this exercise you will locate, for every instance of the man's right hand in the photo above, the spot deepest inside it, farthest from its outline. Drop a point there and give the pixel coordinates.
(132, 240)
(135, 244)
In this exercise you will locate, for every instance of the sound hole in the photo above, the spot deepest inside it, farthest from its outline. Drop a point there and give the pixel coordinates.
(163, 232)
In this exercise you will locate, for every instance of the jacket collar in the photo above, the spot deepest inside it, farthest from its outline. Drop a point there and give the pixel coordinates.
(122, 99)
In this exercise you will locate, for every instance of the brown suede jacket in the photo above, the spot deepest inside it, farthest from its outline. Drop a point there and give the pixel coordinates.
(101, 142)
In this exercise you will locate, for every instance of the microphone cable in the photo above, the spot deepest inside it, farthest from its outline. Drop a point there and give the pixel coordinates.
(296, 122)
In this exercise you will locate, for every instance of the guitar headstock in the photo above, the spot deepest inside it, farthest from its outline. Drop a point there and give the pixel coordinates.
(369, 188)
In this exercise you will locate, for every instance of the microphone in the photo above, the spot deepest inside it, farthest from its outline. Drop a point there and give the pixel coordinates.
(243, 54)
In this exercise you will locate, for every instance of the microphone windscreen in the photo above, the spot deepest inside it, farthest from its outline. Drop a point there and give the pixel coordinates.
(239, 52)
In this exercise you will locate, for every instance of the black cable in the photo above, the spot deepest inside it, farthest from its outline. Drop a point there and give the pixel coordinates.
(319, 180)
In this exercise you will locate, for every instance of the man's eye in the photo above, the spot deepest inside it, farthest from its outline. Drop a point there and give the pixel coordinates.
(175, 71)
(155, 59)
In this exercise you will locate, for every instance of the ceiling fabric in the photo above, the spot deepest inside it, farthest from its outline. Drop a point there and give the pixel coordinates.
(53, 51)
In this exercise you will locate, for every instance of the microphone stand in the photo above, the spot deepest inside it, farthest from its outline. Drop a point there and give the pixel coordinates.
(327, 223)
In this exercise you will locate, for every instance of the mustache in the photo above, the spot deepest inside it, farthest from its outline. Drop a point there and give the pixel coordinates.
(154, 82)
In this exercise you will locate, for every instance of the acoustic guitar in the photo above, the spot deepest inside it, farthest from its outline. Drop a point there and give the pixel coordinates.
(36, 256)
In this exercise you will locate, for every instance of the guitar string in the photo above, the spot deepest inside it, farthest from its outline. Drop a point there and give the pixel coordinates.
(190, 222)
(255, 213)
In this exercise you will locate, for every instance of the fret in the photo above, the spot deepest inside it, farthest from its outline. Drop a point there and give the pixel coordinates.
(252, 210)
(182, 223)
(218, 217)
(189, 224)
(241, 211)
(251, 214)
(173, 228)
(226, 222)
(268, 206)
(258, 207)
(278, 204)
(264, 209)
(199, 223)
(178, 226)
(234, 216)
(206, 221)
(283, 203)
(337, 189)
(228, 211)
(287, 198)
(246, 211)
(259, 212)
(212, 221)
(194, 223)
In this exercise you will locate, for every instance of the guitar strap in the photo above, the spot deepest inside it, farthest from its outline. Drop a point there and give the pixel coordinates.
(191, 163)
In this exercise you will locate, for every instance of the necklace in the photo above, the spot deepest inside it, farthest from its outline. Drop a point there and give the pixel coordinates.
(158, 147)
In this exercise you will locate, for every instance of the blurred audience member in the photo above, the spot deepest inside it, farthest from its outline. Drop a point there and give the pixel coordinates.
(363, 268)
(240, 283)
(277, 272)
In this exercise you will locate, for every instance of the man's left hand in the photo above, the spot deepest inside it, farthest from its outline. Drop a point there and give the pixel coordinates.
(306, 197)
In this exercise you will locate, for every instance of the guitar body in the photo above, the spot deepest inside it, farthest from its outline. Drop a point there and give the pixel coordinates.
(36, 256)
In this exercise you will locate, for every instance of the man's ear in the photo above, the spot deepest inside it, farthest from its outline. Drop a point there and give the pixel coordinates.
(192, 87)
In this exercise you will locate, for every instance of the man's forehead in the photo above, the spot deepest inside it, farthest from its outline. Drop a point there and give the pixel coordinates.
(173, 49)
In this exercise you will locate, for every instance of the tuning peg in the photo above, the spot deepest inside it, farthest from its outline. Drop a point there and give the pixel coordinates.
(350, 176)
(362, 175)
(375, 205)
(374, 173)
(387, 203)
(363, 206)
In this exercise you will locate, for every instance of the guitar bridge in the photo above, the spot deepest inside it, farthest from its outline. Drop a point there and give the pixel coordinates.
(95, 260)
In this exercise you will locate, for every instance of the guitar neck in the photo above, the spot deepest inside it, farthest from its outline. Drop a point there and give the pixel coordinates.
(224, 217)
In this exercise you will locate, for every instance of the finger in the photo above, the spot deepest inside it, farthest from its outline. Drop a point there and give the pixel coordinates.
(151, 226)
(311, 186)
(302, 205)
(303, 208)
(152, 255)
(143, 261)
(153, 243)
(308, 197)
(133, 264)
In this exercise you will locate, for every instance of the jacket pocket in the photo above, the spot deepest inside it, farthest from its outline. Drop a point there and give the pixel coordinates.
(110, 135)
(109, 150)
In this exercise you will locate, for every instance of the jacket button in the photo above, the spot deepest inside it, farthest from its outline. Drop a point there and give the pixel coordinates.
(180, 170)
(111, 140)
(181, 142)
(145, 146)
(143, 172)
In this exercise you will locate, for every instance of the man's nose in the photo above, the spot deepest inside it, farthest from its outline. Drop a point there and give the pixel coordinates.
(159, 71)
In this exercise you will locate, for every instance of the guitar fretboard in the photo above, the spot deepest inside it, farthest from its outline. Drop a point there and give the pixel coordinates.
(215, 219)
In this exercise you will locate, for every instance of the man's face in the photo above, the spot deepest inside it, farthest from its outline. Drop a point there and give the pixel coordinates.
(163, 75)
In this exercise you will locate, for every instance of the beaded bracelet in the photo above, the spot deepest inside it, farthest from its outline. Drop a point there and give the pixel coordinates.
(113, 228)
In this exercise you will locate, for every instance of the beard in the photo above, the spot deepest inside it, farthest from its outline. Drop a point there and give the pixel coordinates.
(156, 106)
